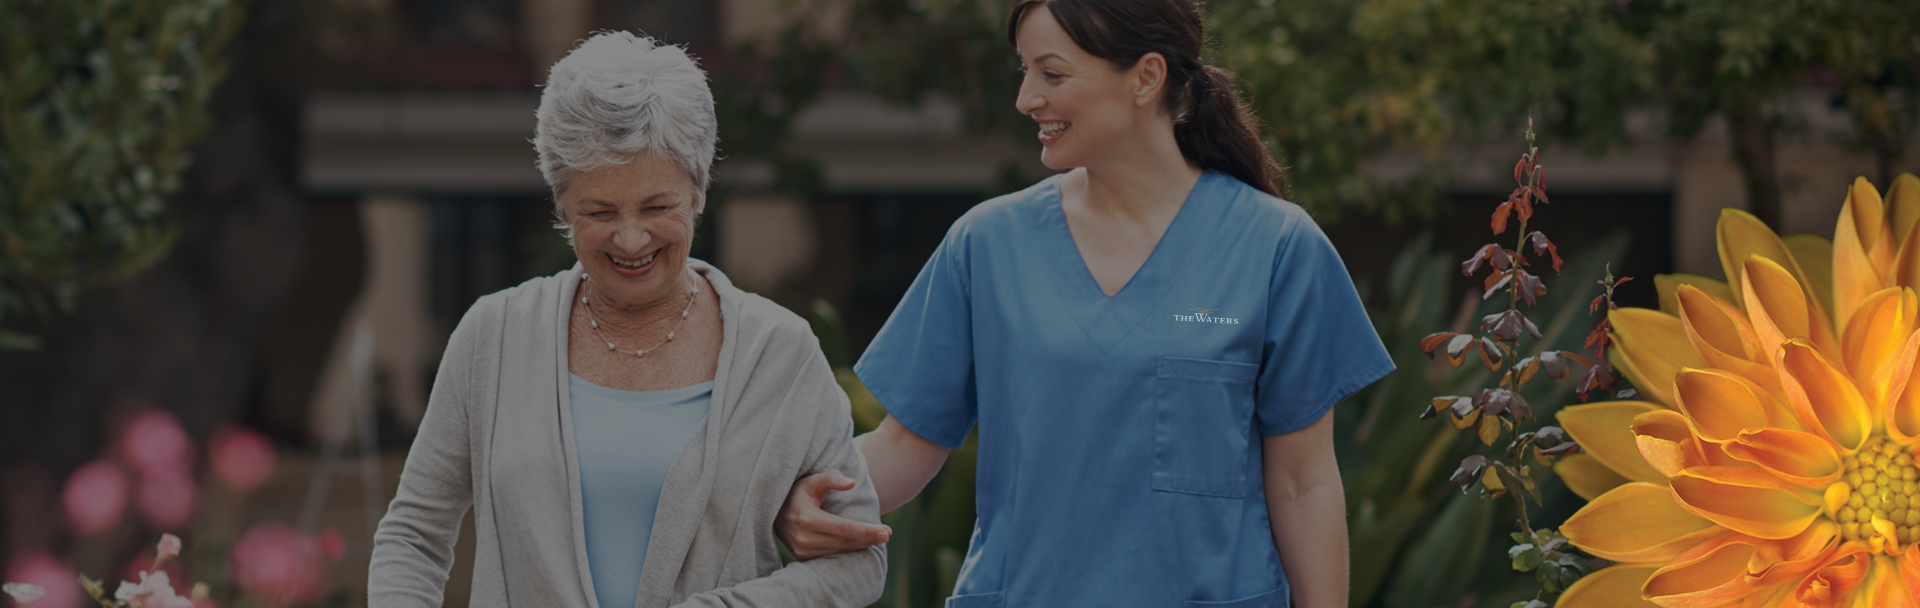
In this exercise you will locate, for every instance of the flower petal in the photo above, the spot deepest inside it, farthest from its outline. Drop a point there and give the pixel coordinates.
(1720, 404)
(1879, 328)
(1654, 347)
(1824, 398)
(1903, 206)
(1668, 286)
(1910, 563)
(1883, 587)
(1749, 501)
(1740, 234)
(1902, 415)
(1815, 255)
(1835, 578)
(1666, 442)
(1586, 476)
(1637, 523)
(1710, 577)
(1605, 430)
(1787, 561)
(1863, 254)
(1724, 338)
(1799, 457)
(1616, 586)
(1777, 305)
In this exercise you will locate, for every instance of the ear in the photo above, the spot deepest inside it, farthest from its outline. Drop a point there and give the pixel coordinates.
(1148, 76)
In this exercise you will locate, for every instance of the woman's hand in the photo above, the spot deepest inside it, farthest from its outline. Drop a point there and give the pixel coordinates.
(900, 464)
(811, 532)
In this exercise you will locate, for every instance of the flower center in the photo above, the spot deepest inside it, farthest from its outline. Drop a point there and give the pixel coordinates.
(1882, 479)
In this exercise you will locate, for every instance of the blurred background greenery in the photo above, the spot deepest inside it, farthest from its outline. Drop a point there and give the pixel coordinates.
(205, 203)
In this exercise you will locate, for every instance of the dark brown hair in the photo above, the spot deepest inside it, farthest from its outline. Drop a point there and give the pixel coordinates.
(1214, 128)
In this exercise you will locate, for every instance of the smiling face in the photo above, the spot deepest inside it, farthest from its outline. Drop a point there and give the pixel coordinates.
(633, 228)
(1086, 109)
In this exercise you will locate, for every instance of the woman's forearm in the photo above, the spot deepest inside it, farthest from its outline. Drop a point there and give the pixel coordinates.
(899, 462)
(1307, 507)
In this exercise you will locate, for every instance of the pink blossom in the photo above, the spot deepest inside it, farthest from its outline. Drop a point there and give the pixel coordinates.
(167, 499)
(153, 591)
(241, 458)
(95, 497)
(154, 443)
(55, 580)
(273, 561)
(169, 546)
(330, 544)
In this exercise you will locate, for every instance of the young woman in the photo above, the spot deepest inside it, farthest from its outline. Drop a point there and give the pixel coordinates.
(1151, 343)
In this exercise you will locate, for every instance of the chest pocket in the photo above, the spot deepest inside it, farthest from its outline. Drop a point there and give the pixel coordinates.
(1203, 413)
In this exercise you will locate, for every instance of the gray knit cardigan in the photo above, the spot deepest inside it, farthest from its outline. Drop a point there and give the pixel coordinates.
(498, 437)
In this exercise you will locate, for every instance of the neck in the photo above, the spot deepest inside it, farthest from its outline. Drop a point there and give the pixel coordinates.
(630, 316)
(1151, 176)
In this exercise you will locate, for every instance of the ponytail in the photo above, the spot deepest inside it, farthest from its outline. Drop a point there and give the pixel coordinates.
(1212, 126)
(1217, 130)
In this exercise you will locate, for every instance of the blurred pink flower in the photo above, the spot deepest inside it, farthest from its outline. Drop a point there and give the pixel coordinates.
(153, 591)
(95, 496)
(154, 443)
(241, 458)
(273, 561)
(56, 581)
(169, 546)
(167, 499)
(23, 593)
(330, 544)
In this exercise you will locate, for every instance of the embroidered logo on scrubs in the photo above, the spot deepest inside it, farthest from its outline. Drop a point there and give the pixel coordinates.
(1205, 315)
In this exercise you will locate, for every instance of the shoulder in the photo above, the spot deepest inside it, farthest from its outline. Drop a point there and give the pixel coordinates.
(763, 327)
(1261, 211)
(1007, 211)
(492, 313)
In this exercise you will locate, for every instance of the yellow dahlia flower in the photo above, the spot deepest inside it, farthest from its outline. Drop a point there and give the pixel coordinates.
(1772, 460)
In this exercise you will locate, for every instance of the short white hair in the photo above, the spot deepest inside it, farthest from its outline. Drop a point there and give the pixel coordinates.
(617, 95)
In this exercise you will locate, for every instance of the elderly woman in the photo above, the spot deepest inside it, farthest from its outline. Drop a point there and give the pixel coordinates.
(626, 430)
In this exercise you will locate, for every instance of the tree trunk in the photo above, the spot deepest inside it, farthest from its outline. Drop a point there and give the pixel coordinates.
(1753, 149)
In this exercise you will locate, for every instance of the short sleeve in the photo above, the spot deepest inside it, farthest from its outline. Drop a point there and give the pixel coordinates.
(920, 366)
(1319, 347)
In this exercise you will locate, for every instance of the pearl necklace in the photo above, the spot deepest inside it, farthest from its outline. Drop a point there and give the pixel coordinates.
(594, 322)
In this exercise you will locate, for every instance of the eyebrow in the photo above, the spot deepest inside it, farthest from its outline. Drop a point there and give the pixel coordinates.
(649, 199)
(1044, 56)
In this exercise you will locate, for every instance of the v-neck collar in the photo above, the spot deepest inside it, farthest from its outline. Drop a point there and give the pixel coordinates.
(1108, 319)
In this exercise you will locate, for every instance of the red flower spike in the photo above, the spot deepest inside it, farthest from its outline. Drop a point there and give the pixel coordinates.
(1596, 303)
(1500, 216)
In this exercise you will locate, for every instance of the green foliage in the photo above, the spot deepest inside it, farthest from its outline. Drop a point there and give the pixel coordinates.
(99, 101)
(1339, 82)
(930, 532)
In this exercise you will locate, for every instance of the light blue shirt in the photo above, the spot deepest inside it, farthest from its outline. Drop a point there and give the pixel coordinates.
(1119, 457)
(625, 442)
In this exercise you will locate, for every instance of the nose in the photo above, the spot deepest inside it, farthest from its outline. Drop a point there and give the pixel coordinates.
(1028, 101)
(632, 237)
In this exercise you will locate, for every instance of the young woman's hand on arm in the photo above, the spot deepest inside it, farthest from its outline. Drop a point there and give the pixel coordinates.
(900, 464)
(1308, 509)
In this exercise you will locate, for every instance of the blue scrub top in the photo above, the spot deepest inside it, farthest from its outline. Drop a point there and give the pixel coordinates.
(1119, 460)
(625, 442)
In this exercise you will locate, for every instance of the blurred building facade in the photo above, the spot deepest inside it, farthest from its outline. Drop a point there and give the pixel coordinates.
(414, 148)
